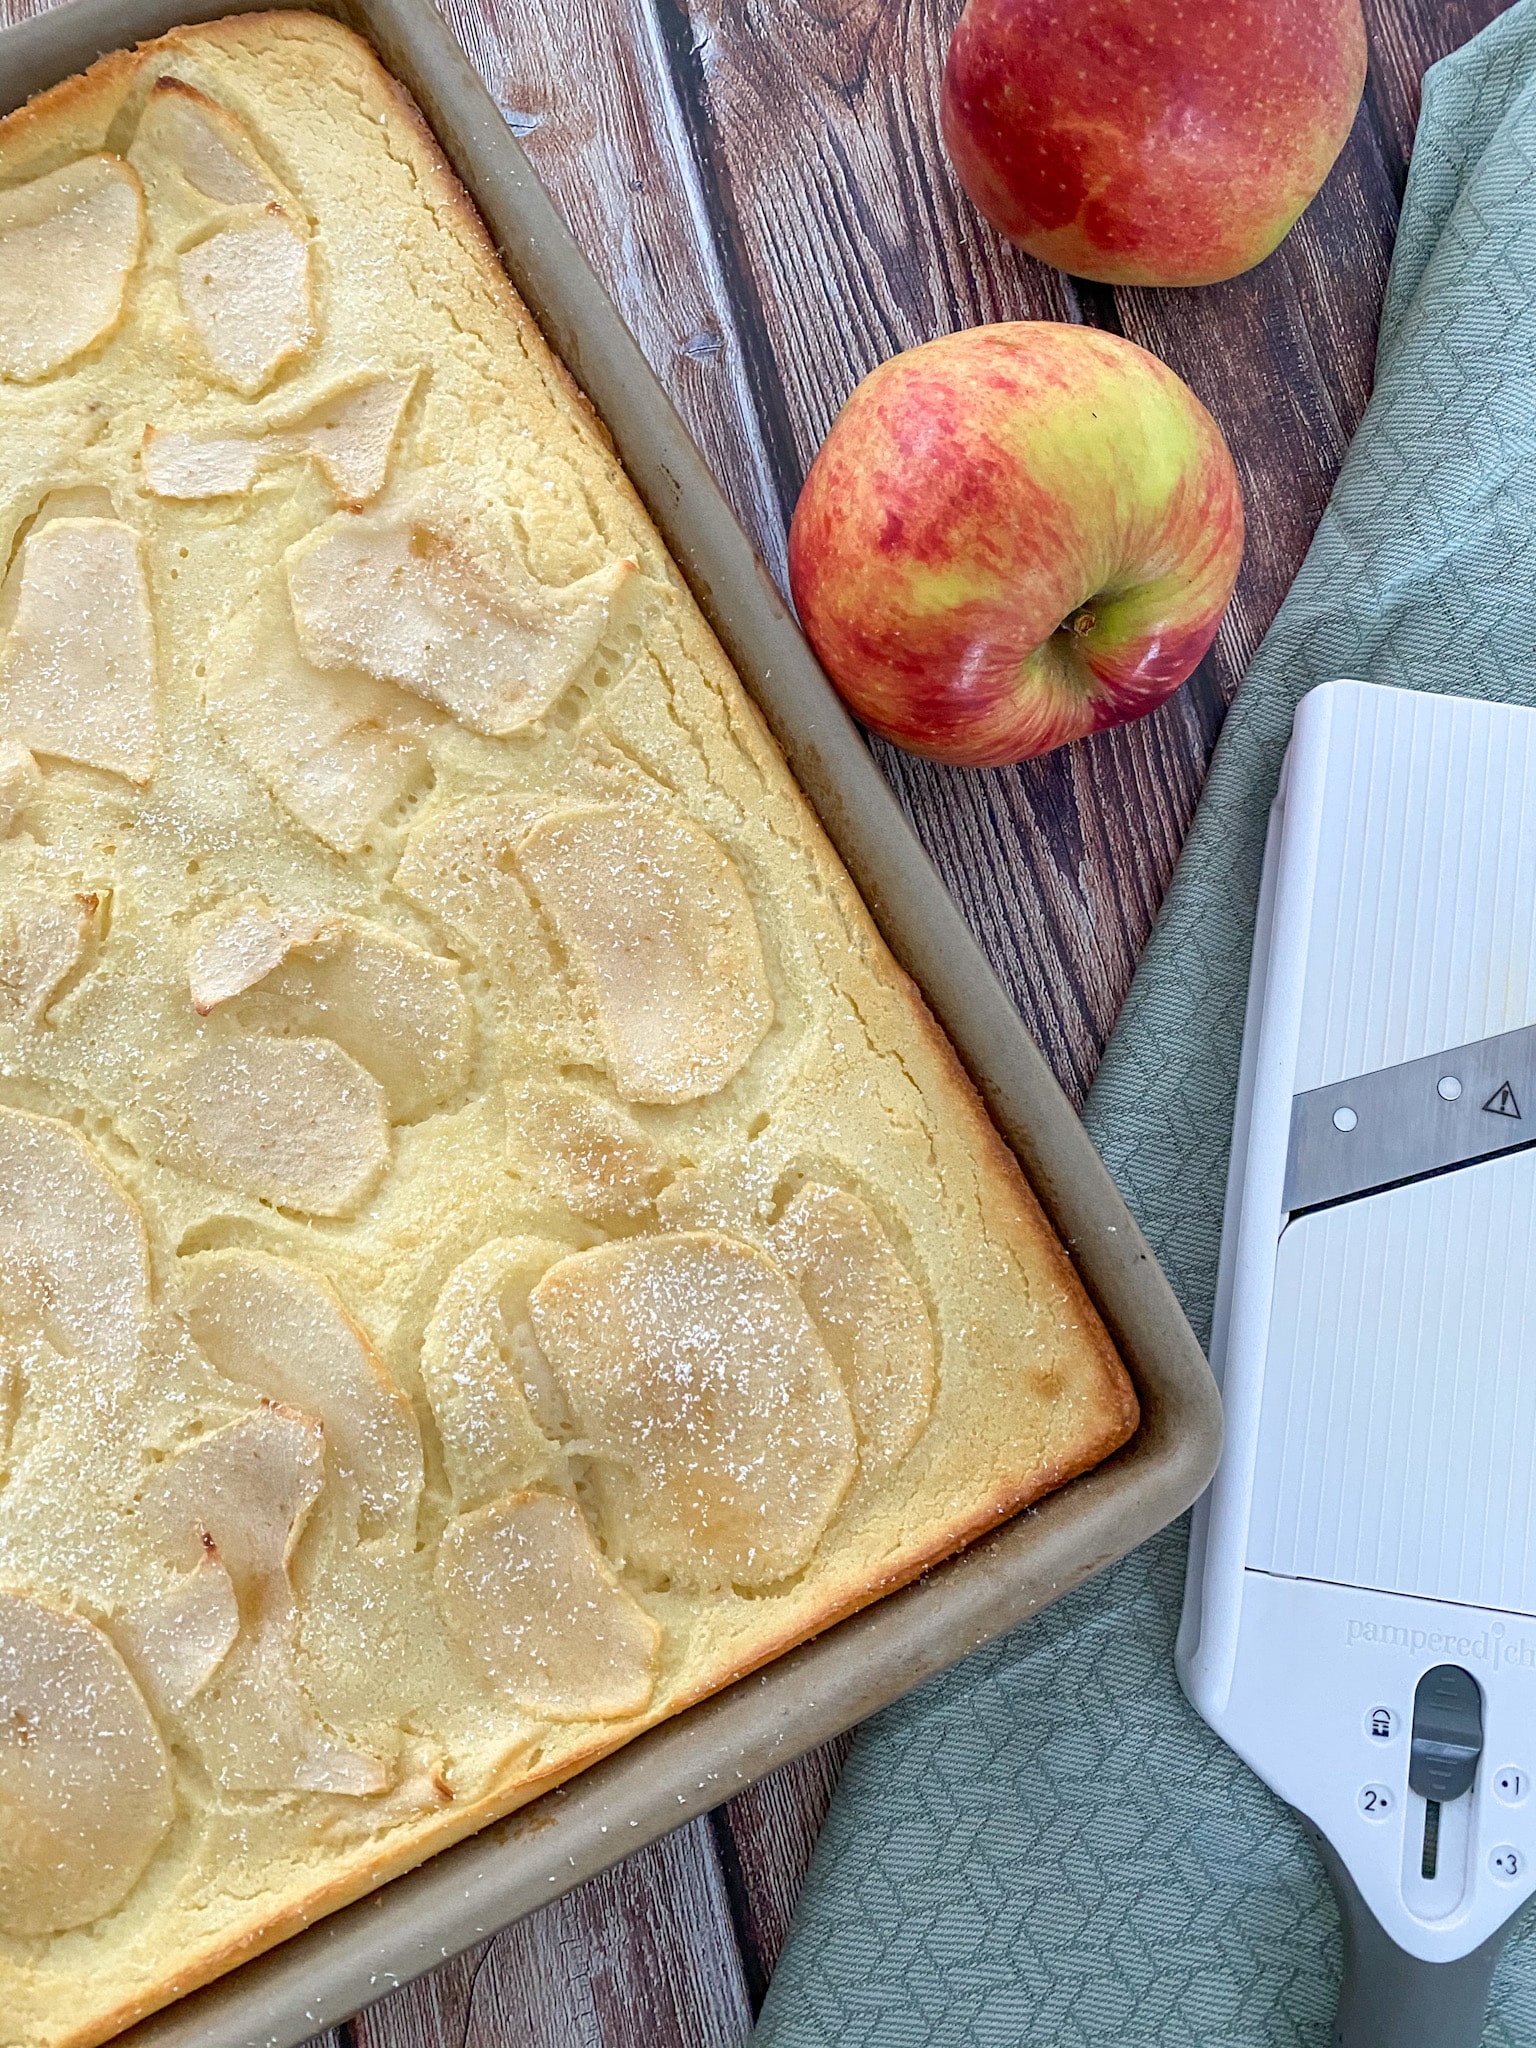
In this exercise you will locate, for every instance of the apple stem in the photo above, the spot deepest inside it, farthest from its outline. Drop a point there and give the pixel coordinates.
(1081, 622)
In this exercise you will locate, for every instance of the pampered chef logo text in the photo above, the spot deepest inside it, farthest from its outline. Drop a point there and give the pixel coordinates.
(1492, 1646)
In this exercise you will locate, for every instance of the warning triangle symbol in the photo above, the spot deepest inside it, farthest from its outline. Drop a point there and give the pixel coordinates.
(1502, 1102)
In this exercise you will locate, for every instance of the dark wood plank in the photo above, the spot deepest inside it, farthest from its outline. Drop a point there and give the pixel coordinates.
(764, 1838)
(1407, 36)
(642, 1955)
(588, 91)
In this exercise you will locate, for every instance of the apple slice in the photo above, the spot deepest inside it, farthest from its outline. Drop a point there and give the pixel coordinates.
(237, 946)
(246, 1492)
(460, 867)
(337, 751)
(603, 1165)
(71, 501)
(351, 433)
(257, 1730)
(870, 1312)
(180, 466)
(398, 1010)
(402, 600)
(43, 939)
(720, 1436)
(292, 1121)
(535, 1606)
(85, 1782)
(73, 1247)
(20, 782)
(658, 926)
(77, 671)
(69, 242)
(213, 151)
(175, 1641)
(245, 291)
(497, 1410)
(271, 1326)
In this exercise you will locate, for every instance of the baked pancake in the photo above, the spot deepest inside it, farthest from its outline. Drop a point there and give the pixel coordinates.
(491, 1246)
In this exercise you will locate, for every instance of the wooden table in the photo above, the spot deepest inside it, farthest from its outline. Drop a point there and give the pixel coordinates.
(761, 187)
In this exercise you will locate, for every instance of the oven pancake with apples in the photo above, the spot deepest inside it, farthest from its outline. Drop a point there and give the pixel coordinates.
(492, 1248)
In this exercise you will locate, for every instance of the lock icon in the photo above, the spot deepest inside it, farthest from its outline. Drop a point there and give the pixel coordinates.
(1381, 1724)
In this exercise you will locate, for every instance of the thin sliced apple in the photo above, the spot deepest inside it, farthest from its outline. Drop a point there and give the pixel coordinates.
(337, 751)
(270, 1325)
(720, 1436)
(292, 1121)
(870, 1312)
(43, 939)
(69, 242)
(213, 151)
(176, 1640)
(497, 1410)
(20, 781)
(245, 1492)
(351, 436)
(460, 868)
(258, 1731)
(246, 293)
(180, 466)
(400, 599)
(77, 671)
(73, 1247)
(603, 1165)
(658, 926)
(85, 1782)
(74, 501)
(530, 1599)
(237, 946)
(397, 1009)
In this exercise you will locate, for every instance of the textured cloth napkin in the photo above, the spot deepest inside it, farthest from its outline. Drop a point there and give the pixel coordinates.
(1046, 1847)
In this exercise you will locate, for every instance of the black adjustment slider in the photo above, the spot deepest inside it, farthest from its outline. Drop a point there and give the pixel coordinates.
(1447, 1742)
(1447, 1733)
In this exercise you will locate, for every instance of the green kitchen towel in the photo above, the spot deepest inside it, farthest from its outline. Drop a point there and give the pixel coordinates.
(1045, 1848)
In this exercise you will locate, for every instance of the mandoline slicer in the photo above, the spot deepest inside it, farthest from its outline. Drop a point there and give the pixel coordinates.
(1360, 1616)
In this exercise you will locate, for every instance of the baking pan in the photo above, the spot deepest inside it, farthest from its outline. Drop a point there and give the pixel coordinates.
(700, 1757)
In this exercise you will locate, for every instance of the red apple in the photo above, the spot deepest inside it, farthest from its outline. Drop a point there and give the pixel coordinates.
(1150, 141)
(1015, 536)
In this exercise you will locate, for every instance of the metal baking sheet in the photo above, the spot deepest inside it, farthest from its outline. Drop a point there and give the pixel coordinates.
(703, 1756)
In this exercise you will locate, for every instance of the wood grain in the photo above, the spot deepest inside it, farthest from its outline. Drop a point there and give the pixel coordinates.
(589, 93)
(760, 185)
(646, 1954)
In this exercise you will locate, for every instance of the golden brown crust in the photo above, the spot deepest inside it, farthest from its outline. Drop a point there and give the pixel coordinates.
(1023, 1409)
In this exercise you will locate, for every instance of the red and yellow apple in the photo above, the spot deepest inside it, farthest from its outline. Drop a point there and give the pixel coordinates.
(1150, 141)
(1013, 537)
